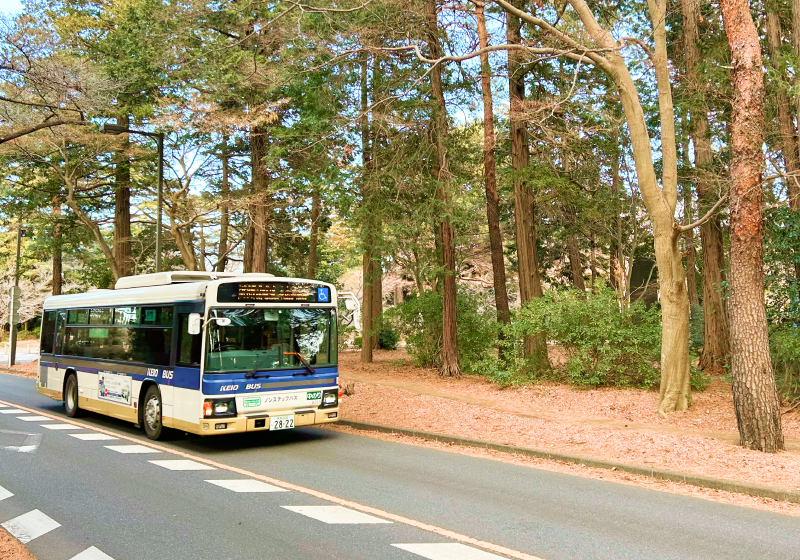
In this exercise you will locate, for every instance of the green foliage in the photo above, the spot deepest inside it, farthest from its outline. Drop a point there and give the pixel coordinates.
(696, 329)
(388, 338)
(419, 320)
(601, 344)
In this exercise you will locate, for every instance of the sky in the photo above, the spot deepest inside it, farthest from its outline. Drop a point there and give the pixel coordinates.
(10, 6)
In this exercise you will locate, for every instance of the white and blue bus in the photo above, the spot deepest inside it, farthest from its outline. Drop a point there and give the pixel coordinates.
(202, 352)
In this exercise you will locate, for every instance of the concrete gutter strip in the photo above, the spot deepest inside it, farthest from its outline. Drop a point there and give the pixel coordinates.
(756, 490)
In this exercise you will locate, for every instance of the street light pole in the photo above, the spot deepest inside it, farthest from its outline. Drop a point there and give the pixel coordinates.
(159, 136)
(13, 306)
(160, 139)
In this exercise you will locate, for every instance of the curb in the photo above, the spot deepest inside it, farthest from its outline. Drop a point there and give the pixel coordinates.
(755, 490)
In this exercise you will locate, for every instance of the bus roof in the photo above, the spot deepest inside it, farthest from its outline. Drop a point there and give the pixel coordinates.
(153, 288)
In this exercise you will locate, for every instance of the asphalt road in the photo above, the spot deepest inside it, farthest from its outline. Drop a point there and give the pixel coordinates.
(131, 508)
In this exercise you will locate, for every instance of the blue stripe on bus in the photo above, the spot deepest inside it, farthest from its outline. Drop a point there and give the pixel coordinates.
(227, 383)
(283, 380)
(183, 377)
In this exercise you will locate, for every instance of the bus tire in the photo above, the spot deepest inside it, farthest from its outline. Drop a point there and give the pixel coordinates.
(151, 413)
(71, 396)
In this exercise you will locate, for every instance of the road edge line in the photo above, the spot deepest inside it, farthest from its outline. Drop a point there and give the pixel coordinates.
(308, 491)
(726, 485)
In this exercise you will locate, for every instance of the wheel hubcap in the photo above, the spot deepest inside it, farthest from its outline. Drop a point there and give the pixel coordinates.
(71, 396)
(152, 413)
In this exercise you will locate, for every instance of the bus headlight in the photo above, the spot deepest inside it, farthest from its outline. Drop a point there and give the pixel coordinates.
(219, 408)
(330, 398)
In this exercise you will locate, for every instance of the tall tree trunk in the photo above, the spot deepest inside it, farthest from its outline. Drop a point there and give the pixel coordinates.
(377, 301)
(259, 200)
(575, 262)
(58, 275)
(660, 200)
(785, 120)
(490, 177)
(368, 229)
(616, 252)
(450, 365)
(312, 242)
(530, 284)
(224, 210)
(796, 48)
(248, 247)
(691, 266)
(755, 396)
(716, 338)
(122, 205)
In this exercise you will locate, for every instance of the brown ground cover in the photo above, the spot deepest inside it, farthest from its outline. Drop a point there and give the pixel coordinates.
(612, 424)
(12, 549)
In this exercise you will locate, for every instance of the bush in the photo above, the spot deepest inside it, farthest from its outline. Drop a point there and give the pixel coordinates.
(784, 344)
(419, 320)
(603, 345)
(388, 338)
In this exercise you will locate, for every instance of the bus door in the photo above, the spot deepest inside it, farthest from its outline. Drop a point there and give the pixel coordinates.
(55, 379)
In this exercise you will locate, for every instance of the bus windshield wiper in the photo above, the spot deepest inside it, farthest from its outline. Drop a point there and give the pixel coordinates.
(252, 373)
(311, 370)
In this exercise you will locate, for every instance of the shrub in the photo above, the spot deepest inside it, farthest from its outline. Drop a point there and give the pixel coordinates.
(388, 338)
(603, 345)
(419, 320)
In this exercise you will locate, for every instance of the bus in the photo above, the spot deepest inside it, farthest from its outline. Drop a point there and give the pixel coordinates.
(207, 353)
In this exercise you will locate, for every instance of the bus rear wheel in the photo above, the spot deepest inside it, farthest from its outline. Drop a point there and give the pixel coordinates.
(151, 413)
(71, 396)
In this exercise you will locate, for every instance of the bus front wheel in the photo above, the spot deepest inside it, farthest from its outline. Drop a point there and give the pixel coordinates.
(151, 413)
(71, 396)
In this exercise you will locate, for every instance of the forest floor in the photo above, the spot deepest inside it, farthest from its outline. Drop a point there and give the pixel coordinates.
(611, 424)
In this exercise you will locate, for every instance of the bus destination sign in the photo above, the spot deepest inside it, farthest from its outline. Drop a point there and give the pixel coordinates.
(272, 292)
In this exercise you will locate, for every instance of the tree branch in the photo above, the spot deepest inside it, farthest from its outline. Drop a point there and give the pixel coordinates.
(678, 229)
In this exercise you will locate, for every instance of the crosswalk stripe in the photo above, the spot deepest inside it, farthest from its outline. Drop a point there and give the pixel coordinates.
(247, 485)
(32, 418)
(335, 515)
(30, 525)
(61, 427)
(93, 437)
(14, 411)
(131, 449)
(3, 406)
(4, 493)
(183, 465)
(447, 551)
(92, 553)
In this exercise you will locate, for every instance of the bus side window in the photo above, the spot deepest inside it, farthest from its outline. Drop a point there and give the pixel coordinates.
(189, 346)
(61, 322)
(48, 332)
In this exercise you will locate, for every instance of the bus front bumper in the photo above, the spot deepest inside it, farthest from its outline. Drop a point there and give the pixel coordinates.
(260, 422)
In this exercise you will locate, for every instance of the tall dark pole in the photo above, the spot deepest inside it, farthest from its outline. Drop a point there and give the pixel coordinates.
(160, 138)
(13, 316)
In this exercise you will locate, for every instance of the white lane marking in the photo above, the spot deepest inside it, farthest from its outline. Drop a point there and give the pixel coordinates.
(335, 514)
(61, 427)
(3, 406)
(33, 418)
(30, 525)
(4, 493)
(183, 465)
(131, 449)
(93, 437)
(14, 411)
(247, 485)
(92, 553)
(29, 445)
(448, 551)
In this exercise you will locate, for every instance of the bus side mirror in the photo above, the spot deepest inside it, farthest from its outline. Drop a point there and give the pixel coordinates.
(350, 304)
(195, 323)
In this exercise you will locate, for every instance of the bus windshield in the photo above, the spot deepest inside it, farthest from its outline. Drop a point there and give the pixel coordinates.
(269, 339)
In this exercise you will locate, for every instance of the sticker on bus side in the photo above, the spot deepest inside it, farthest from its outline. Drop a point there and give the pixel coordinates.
(313, 395)
(252, 402)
